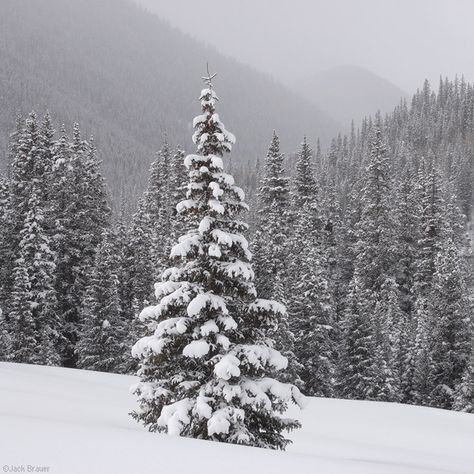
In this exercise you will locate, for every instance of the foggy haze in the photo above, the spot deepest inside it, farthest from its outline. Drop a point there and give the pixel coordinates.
(403, 41)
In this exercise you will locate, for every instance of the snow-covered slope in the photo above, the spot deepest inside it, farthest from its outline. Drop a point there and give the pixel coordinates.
(76, 422)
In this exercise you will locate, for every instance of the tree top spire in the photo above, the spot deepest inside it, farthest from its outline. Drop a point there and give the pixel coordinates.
(208, 79)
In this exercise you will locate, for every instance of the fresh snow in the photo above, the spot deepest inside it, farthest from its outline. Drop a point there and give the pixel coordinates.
(227, 367)
(196, 349)
(77, 422)
(204, 300)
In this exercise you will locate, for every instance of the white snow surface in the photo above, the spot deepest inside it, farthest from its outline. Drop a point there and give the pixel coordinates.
(77, 422)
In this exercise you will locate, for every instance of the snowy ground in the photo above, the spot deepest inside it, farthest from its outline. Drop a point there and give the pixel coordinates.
(73, 421)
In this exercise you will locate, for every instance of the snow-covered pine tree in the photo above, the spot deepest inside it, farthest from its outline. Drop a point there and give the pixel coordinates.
(103, 335)
(430, 195)
(141, 257)
(23, 167)
(464, 395)
(373, 268)
(94, 209)
(36, 333)
(44, 165)
(311, 308)
(81, 213)
(127, 313)
(11, 217)
(178, 180)
(206, 366)
(30, 259)
(5, 231)
(452, 336)
(21, 333)
(64, 199)
(357, 371)
(158, 207)
(271, 247)
(271, 237)
(408, 210)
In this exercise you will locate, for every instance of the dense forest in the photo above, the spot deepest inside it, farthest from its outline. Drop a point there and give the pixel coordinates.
(366, 244)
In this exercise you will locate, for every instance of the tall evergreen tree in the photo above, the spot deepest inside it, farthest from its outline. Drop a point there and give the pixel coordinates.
(464, 395)
(178, 178)
(5, 237)
(158, 207)
(311, 314)
(271, 246)
(142, 269)
(204, 368)
(373, 269)
(451, 338)
(81, 213)
(39, 328)
(271, 239)
(102, 342)
(429, 245)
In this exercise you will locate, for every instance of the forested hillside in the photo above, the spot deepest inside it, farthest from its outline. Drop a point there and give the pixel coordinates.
(127, 77)
(365, 245)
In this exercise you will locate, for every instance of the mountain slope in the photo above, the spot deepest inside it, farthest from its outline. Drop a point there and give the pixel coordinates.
(350, 92)
(127, 77)
(77, 421)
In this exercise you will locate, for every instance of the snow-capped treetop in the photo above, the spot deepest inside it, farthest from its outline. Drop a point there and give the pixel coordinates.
(211, 136)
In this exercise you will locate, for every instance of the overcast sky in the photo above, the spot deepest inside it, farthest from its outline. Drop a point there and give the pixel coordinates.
(401, 40)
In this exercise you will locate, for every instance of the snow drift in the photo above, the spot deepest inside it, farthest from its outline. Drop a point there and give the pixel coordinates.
(75, 421)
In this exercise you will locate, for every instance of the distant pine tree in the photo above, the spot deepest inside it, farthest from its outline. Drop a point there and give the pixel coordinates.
(103, 335)
(271, 239)
(464, 395)
(157, 206)
(431, 226)
(178, 179)
(271, 247)
(357, 371)
(311, 306)
(373, 270)
(451, 338)
(80, 210)
(142, 267)
(39, 328)
(5, 240)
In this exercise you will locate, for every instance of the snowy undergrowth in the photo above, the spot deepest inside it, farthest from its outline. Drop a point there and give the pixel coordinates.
(77, 422)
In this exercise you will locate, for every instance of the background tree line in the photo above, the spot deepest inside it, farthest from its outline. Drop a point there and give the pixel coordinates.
(366, 244)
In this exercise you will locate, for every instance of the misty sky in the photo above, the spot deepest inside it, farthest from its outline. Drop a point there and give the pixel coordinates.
(401, 40)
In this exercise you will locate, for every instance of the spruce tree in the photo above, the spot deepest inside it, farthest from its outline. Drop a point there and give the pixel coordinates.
(271, 247)
(5, 239)
(22, 342)
(312, 310)
(451, 337)
(430, 195)
(373, 271)
(39, 328)
(464, 395)
(357, 370)
(127, 312)
(81, 212)
(142, 267)
(205, 366)
(157, 204)
(103, 338)
(178, 178)
(271, 239)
